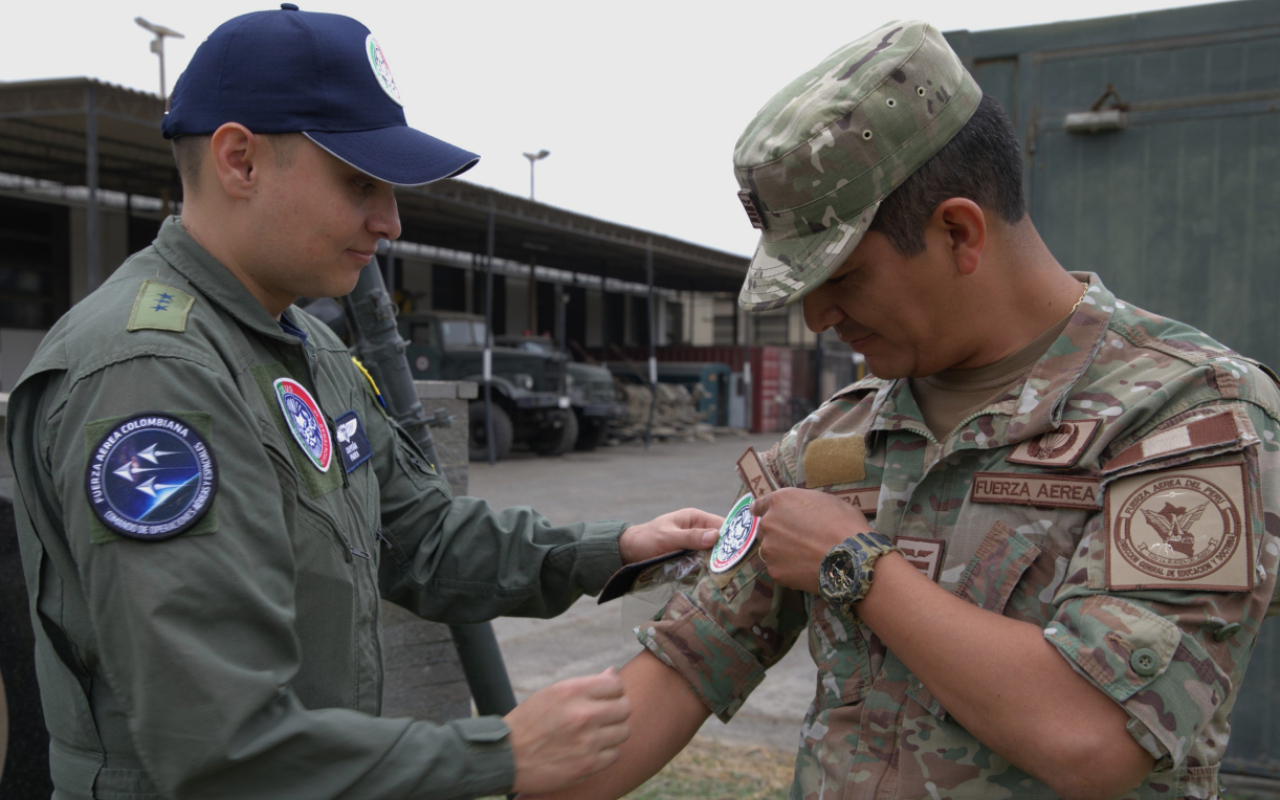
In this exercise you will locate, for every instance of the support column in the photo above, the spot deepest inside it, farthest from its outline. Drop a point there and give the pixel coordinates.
(91, 169)
(488, 339)
(653, 356)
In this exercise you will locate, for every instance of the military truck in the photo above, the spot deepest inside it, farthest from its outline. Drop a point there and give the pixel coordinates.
(591, 392)
(531, 403)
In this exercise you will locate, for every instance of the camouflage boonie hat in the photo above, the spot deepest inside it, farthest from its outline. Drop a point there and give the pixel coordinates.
(820, 156)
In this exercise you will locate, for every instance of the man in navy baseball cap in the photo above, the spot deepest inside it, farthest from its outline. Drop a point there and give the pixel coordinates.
(321, 75)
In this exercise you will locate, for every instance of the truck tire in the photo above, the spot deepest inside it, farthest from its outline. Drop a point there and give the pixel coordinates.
(557, 437)
(478, 440)
(592, 431)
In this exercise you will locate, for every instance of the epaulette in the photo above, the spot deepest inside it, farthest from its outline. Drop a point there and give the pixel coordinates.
(160, 307)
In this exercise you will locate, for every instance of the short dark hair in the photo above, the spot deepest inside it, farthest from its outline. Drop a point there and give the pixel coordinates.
(983, 163)
(188, 150)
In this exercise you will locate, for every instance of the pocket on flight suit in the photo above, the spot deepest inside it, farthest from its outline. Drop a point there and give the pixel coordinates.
(324, 592)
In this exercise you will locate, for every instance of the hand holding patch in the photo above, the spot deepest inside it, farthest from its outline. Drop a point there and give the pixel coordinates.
(686, 529)
(800, 526)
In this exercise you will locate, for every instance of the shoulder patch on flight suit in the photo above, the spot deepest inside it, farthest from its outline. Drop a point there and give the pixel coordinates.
(160, 307)
(150, 476)
(835, 459)
(1186, 528)
(353, 443)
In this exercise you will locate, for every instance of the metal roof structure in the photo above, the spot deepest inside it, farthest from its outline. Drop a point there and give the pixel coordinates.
(85, 132)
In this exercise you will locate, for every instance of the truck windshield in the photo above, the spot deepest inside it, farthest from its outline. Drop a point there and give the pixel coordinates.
(459, 332)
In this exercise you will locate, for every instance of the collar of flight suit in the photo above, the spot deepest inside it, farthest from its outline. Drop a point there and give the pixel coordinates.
(1040, 401)
(214, 280)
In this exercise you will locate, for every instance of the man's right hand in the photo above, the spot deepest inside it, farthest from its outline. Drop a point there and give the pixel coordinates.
(568, 731)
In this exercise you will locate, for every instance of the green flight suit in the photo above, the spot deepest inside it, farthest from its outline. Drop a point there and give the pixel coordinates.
(242, 658)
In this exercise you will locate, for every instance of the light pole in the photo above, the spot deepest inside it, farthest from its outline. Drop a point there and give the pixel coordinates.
(157, 47)
(533, 159)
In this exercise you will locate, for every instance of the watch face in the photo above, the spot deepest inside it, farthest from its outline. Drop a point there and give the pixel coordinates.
(837, 578)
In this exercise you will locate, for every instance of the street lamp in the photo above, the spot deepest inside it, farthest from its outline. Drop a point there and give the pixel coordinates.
(534, 158)
(157, 47)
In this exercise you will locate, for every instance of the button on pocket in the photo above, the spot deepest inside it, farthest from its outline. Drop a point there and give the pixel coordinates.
(1145, 662)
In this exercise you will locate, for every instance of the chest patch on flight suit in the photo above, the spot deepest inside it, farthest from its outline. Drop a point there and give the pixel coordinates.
(305, 421)
(737, 535)
(1185, 528)
(160, 308)
(835, 459)
(1060, 448)
(353, 444)
(151, 477)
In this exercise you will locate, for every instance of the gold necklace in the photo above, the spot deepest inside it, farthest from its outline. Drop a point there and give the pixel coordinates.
(1081, 300)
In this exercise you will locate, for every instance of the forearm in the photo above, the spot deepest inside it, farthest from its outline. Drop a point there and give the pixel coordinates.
(1005, 684)
(665, 716)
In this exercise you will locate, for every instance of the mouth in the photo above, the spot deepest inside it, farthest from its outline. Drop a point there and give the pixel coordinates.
(364, 257)
(856, 340)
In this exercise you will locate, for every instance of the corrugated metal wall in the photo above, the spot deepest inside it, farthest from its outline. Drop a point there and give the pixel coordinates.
(1179, 212)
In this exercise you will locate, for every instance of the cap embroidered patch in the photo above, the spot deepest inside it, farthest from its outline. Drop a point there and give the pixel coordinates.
(737, 534)
(381, 70)
(1180, 529)
(753, 474)
(353, 444)
(151, 477)
(1059, 448)
(306, 422)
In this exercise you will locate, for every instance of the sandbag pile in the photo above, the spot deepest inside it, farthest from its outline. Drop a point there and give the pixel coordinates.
(675, 416)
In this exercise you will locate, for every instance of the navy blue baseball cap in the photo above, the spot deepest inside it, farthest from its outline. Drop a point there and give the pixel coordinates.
(321, 75)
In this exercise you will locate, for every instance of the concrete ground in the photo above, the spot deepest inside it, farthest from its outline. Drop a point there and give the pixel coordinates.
(630, 483)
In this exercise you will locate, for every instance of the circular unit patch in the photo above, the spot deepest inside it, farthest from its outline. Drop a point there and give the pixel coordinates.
(737, 534)
(151, 477)
(1181, 532)
(381, 70)
(306, 422)
(421, 363)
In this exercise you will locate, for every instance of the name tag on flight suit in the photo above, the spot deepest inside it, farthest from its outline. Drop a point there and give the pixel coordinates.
(353, 444)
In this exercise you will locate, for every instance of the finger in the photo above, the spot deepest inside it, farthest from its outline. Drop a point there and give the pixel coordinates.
(608, 713)
(697, 518)
(605, 686)
(761, 505)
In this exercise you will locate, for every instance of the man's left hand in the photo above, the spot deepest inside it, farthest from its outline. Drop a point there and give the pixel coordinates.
(798, 527)
(686, 529)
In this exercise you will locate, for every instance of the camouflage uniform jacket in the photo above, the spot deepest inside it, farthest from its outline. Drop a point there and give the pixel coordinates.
(1013, 512)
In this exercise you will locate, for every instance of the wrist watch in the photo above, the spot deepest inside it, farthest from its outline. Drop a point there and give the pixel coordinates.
(844, 578)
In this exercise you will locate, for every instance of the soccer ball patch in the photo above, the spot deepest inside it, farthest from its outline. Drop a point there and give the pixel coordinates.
(737, 534)
(306, 422)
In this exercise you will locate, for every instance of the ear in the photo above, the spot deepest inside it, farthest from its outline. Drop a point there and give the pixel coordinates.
(236, 154)
(966, 228)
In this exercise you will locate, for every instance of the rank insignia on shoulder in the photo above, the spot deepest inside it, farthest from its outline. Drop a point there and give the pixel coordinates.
(754, 475)
(160, 308)
(151, 477)
(1057, 448)
(737, 535)
(1186, 528)
(306, 422)
(353, 444)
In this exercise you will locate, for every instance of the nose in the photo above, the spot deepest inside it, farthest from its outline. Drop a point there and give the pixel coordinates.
(820, 310)
(384, 219)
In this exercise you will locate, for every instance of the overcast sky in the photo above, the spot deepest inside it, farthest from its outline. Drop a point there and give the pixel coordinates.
(640, 104)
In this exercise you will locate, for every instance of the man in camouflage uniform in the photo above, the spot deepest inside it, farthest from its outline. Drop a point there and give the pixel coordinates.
(1078, 497)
